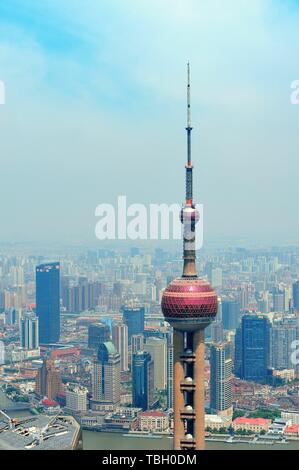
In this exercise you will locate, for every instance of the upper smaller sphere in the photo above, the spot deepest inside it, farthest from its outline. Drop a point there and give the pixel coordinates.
(189, 215)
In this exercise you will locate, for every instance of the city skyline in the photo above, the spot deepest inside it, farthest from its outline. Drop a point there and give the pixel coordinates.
(149, 279)
(78, 83)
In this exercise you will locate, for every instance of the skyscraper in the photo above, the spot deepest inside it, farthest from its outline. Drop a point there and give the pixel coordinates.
(238, 352)
(278, 300)
(120, 341)
(98, 333)
(48, 302)
(76, 398)
(29, 331)
(106, 375)
(157, 348)
(137, 343)
(133, 317)
(48, 381)
(230, 314)
(216, 278)
(216, 332)
(143, 380)
(221, 379)
(189, 304)
(282, 335)
(296, 295)
(254, 343)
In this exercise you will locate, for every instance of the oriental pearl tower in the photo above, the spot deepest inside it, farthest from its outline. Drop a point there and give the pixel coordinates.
(189, 304)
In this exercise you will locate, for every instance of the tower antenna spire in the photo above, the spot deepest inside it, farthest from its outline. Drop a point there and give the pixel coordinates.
(189, 166)
(188, 97)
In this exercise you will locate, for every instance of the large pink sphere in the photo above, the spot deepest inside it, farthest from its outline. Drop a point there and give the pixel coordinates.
(189, 304)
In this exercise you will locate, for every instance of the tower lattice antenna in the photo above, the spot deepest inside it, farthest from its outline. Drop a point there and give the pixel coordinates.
(189, 167)
(188, 98)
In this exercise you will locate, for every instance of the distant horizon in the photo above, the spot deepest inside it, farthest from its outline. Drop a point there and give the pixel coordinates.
(144, 246)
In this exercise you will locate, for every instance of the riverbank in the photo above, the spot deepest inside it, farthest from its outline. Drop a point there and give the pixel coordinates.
(117, 441)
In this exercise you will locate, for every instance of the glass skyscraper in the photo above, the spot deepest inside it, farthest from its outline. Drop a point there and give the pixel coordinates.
(255, 347)
(134, 319)
(143, 380)
(48, 302)
(296, 295)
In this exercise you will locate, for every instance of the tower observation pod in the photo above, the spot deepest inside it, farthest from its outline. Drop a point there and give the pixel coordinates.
(189, 304)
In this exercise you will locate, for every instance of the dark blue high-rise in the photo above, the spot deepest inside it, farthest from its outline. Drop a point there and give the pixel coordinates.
(143, 380)
(255, 341)
(133, 317)
(296, 295)
(48, 302)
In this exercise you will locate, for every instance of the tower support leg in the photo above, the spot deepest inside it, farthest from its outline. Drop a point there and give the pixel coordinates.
(178, 377)
(199, 394)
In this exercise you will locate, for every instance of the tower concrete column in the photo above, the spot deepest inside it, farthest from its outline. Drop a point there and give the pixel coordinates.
(178, 377)
(199, 394)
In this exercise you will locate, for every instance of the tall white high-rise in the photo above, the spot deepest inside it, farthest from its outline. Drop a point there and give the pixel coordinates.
(76, 398)
(120, 341)
(29, 339)
(106, 375)
(221, 379)
(157, 348)
(216, 278)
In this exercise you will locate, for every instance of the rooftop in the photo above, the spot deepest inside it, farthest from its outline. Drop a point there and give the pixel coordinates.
(47, 402)
(40, 433)
(292, 429)
(154, 414)
(252, 421)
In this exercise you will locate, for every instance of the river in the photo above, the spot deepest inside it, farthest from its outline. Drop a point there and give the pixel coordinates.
(113, 441)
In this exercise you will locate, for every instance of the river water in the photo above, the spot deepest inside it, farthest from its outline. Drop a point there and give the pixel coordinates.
(113, 441)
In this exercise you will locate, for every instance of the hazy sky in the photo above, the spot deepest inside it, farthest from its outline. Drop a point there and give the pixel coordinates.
(95, 108)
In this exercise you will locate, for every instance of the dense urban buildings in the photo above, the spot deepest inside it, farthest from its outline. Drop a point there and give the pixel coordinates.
(48, 376)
